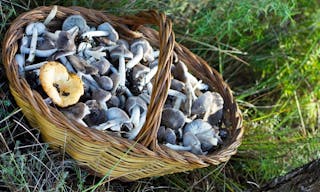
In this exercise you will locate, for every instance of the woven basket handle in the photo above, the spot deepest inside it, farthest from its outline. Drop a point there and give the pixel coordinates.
(162, 79)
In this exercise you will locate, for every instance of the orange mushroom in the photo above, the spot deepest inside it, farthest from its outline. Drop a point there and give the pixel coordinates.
(62, 87)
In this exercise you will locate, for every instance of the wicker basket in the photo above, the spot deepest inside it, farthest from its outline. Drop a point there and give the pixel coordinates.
(104, 153)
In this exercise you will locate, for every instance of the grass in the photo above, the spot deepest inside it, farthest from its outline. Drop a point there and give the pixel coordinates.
(267, 50)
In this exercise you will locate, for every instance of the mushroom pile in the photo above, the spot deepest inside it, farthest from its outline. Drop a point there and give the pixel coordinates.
(103, 82)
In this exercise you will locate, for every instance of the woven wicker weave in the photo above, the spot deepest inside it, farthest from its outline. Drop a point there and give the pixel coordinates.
(101, 151)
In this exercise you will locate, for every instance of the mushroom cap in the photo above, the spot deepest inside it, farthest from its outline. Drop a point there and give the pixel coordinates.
(215, 118)
(179, 71)
(101, 95)
(41, 28)
(161, 133)
(120, 51)
(177, 85)
(77, 111)
(102, 65)
(65, 42)
(197, 126)
(135, 101)
(117, 113)
(189, 139)
(104, 82)
(113, 34)
(114, 101)
(147, 49)
(139, 70)
(62, 87)
(172, 118)
(202, 104)
(170, 136)
(75, 20)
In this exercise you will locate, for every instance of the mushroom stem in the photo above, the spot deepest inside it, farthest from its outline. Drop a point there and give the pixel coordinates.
(90, 34)
(151, 74)
(34, 66)
(106, 125)
(122, 71)
(21, 62)
(135, 116)
(67, 64)
(51, 15)
(137, 58)
(92, 83)
(97, 54)
(33, 45)
(134, 132)
(178, 147)
(38, 53)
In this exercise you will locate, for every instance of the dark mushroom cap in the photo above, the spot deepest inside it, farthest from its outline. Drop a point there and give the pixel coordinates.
(177, 85)
(113, 34)
(77, 111)
(104, 82)
(147, 49)
(135, 101)
(102, 65)
(202, 104)
(172, 118)
(170, 136)
(75, 20)
(120, 51)
(114, 101)
(180, 71)
(101, 95)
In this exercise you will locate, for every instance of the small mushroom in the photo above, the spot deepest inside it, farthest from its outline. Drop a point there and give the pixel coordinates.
(97, 115)
(170, 136)
(19, 58)
(177, 85)
(101, 96)
(179, 98)
(190, 140)
(208, 139)
(121, 53)
(197, 126)
(116, 119)
(75, 20)
(137, 109)
(62, 87)
(34, 29)
(202, 105)
(216, 109)
(81, 65)
(114, 101)
(104, 82)
(51, 15)
(141, 50)
(172, 118)
(139, 70)
(77, 112)
(161, 133)
(103, 65)
(113, 34)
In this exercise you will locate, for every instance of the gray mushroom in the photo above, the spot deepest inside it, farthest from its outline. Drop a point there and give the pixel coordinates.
(101, 96)
(141, 50)
(75, 20)
(103, 65)
(116, 119)
(104, 82)
(161, 133)
(81, 65)
(137, 109)
(114, 101)
(216, 109)
(202, 105)
(170, 136)
(77, 112)
(197, 126)
(19, 58)
(113, 34)
(190, 140)
(97, 115)
(121, 53)
(34, 29)
(172, 118)
(139, 70)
